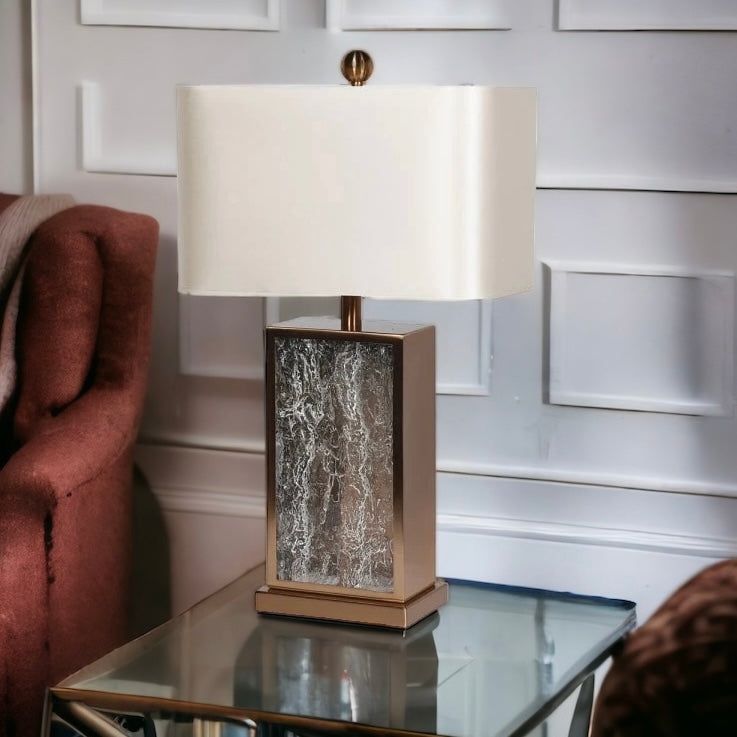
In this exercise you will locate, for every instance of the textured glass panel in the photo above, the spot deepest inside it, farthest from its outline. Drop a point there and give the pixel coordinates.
(334, 462)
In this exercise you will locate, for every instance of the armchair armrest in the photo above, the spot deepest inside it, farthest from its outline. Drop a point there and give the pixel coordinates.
(68, 451)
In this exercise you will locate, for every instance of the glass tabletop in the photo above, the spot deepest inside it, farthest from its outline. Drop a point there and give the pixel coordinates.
(493, 661)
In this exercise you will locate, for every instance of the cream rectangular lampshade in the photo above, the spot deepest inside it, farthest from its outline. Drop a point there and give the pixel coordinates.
(390, 192)
(408, 193)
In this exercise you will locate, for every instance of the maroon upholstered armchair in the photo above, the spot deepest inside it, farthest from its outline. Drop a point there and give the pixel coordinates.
(82, 344)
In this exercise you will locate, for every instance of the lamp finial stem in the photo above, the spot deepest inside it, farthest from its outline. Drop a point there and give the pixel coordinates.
(350, 313)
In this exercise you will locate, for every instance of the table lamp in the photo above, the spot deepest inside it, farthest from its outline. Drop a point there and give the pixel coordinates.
(397, 192)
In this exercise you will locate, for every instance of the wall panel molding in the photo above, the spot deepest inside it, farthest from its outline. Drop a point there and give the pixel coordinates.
(587, 477)
(642, 15)
(163, 445)
(641, 338)
(221, 337)
(204, 481)
(463, 333)
(219, 504)
(95, 157)
(559, 536)
(463, 358)
(537, 530)
(390, 15)
(231, 504)
(257, 15)
(35, 99)
(210, 482)
(634, 183)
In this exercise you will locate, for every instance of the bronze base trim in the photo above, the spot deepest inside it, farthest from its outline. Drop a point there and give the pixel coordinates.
(356, 610)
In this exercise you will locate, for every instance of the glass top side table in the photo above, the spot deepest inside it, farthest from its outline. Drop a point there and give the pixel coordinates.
(493, 661)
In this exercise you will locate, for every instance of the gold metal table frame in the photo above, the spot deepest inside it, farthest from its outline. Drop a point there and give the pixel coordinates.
(496, 660)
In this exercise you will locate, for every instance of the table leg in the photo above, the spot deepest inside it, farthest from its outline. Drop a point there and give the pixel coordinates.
(581, 720)
(217, 728)
(86, 721)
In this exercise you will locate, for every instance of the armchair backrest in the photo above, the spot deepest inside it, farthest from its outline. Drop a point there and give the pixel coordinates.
(84, 318)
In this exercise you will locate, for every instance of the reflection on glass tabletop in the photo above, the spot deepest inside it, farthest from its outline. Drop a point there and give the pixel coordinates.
(495, 660)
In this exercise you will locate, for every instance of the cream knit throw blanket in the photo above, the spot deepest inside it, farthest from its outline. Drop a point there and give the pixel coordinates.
(17, 223)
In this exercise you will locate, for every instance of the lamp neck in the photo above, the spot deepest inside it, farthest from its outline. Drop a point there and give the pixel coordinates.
(350, 313)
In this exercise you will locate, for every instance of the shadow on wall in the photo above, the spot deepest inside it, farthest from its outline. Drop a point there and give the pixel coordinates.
(151, 584)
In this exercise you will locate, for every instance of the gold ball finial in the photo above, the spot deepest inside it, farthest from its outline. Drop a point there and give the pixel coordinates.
(357, 67)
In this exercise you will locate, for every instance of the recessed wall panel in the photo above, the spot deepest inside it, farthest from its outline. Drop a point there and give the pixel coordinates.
(221, 337)
(641, 339)
(463, 339)
(233, 14)
(378, 15)
(111, 145)
(704, 15)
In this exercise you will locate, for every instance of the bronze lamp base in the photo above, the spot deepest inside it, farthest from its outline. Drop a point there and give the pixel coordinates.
(356, 610)
(351, 472)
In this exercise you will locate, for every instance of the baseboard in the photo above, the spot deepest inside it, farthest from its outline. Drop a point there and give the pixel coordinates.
(601, 540)
(204, 481)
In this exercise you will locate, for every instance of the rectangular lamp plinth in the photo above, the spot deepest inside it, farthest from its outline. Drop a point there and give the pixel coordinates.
(352, 609)
(351, 472)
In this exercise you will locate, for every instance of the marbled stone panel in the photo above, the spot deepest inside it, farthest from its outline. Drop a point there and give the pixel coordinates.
(334, 462)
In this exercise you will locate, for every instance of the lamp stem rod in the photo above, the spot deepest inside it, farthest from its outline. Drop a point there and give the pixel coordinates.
(350, 313)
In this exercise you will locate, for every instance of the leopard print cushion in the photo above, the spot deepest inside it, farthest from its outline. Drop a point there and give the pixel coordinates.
(677, 674)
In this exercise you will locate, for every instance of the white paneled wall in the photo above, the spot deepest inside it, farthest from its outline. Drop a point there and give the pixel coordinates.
(16, 128)
(261, 15)
(658, 15)
(586, 430)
